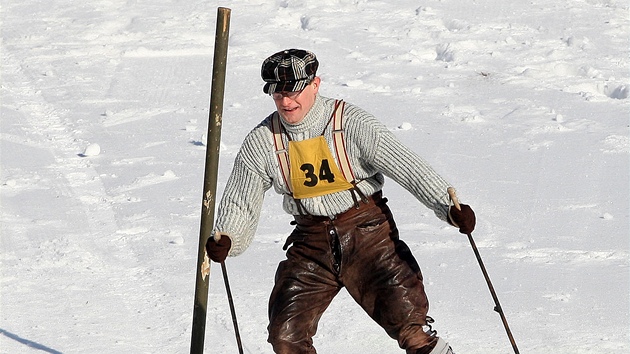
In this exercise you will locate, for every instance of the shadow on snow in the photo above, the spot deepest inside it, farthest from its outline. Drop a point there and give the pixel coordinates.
(28, 343)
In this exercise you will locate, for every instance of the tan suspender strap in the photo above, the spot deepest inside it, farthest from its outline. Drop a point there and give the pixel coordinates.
(340, 143)
(281, 150)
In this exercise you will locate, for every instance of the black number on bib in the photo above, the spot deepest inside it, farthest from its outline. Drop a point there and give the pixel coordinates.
(324, 173)
(311, 180)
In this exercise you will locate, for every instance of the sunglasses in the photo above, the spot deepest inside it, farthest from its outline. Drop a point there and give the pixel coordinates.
(289, 94)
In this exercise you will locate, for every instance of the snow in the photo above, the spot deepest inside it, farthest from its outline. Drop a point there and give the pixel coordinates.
(522, 105)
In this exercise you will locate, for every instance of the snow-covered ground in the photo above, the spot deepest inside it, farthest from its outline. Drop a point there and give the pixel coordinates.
(522, 105)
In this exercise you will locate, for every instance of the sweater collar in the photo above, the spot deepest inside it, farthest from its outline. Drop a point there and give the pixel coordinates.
(312, 120)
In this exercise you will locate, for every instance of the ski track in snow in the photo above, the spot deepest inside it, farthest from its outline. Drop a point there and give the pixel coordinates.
(522, 106)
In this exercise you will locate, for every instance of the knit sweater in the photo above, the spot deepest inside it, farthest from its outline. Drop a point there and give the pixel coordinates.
(373, 152)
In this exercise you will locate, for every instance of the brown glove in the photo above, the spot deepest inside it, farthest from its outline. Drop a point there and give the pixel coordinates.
(218, 250)
(464, 218)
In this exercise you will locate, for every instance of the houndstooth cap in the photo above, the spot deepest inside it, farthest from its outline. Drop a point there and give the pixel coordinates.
(289, 70)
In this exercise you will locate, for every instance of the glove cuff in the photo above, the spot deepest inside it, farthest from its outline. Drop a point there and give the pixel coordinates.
(217, 235)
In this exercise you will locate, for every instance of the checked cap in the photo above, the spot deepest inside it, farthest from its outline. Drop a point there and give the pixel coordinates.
(289, 70)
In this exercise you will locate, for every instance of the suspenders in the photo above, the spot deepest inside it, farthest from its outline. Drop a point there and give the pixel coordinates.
(340, 143)
(339, 147)
(281, 150)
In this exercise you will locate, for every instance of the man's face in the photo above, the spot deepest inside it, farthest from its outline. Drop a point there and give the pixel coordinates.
(293, 106)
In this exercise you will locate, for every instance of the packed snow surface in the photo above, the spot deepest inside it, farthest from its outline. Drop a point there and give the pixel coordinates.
(521, 105)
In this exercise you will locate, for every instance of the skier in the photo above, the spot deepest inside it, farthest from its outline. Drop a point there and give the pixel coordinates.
(329, 158)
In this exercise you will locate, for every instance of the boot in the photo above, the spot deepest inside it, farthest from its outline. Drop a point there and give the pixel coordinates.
(442, 348)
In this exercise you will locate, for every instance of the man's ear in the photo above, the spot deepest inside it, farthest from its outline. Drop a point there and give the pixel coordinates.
(316, 82)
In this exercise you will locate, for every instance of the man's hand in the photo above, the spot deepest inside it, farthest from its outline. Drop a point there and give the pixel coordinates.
(218, 249)
(464, 218)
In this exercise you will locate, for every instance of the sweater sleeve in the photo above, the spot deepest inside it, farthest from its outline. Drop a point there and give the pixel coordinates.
(241, 203)
(386, 154)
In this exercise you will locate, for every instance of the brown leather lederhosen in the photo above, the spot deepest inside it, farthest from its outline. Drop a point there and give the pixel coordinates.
(361, 251)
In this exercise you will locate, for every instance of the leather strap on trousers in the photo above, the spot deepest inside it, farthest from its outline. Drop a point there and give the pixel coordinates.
(374, 199)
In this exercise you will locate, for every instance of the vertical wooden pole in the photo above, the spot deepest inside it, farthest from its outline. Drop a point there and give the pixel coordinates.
(210, 175)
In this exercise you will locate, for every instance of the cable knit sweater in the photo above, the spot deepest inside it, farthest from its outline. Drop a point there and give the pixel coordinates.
(373, 152)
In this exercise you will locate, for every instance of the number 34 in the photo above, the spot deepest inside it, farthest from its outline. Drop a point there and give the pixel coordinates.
(324, 173)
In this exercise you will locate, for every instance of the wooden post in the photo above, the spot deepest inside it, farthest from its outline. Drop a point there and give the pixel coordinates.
(210, 175)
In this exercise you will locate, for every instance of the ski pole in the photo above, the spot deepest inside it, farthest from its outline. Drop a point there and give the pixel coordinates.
(231, 302)
(497, 307)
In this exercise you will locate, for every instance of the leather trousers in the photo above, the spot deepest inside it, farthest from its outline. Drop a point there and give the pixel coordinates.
(361, 251)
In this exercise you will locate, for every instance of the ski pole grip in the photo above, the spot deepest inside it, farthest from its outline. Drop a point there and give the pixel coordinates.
(453, 196)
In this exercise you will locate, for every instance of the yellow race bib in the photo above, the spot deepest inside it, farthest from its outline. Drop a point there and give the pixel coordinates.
(313, 170)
